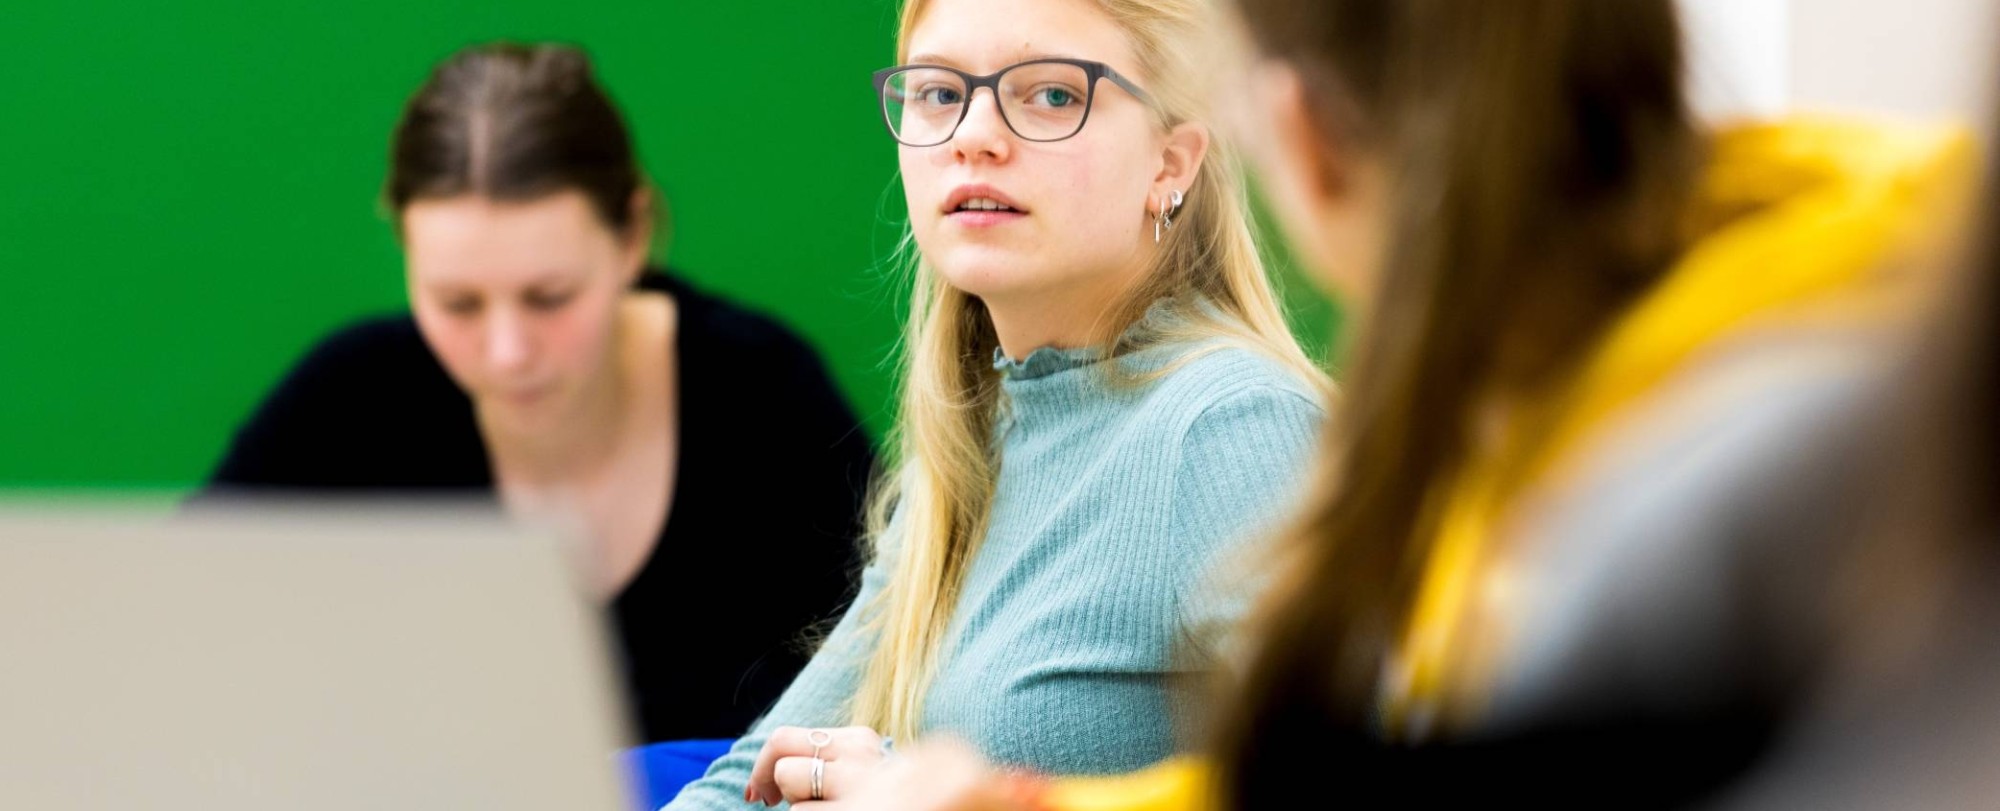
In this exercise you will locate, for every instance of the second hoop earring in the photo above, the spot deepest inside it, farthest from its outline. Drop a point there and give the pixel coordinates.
(1163, 216)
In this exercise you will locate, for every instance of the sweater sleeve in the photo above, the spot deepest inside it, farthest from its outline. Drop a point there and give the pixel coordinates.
(820, 697)
(1244, 464)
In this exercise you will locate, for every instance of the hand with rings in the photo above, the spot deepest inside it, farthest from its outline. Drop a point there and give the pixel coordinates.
(946, 775)
(811, 768)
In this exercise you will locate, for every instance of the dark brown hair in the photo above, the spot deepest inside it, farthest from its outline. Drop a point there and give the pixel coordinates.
(1970, 392)
(1951, 411)
(514, 122)
(1540, 156)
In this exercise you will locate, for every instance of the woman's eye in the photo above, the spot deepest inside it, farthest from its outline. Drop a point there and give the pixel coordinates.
(940, 96)
(549, 302)
(463, 306)
(1055, 97)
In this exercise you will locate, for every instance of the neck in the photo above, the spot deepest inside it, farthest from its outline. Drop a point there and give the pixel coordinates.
(1069, 318)
(578, 440)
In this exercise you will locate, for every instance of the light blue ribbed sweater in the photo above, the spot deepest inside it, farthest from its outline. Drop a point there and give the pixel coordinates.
(1113, 499)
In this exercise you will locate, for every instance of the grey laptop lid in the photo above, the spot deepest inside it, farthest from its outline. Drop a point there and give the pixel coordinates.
(238, 660)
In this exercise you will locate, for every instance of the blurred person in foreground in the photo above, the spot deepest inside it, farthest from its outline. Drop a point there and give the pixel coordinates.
(1907, 713)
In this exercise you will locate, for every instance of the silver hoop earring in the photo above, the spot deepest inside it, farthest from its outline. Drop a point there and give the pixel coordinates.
(1163, 216)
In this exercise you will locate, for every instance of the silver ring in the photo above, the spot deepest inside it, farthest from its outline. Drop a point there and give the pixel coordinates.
(819, 738)
(819, 774)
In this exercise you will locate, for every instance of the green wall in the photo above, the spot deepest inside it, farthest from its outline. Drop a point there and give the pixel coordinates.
(188, 196)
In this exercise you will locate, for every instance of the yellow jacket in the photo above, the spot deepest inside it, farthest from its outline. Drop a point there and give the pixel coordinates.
(1807, 221)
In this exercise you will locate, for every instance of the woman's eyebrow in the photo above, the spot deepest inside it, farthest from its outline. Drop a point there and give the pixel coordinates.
(1019, 57)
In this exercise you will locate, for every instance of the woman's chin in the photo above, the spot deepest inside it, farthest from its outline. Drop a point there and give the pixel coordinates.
(519, 412)
(990, 274)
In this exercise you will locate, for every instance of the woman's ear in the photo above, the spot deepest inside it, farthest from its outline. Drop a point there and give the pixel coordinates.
(1327, 196)
(1186, 147)
(1294, 134)
(639, 229)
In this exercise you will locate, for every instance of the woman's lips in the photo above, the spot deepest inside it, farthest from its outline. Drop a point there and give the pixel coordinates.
(984, 219)
(527, 397)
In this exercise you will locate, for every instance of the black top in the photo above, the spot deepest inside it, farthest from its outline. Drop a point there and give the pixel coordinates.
(772, 468)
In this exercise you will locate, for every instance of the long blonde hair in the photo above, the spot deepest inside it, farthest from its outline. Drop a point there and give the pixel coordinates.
(941, 479)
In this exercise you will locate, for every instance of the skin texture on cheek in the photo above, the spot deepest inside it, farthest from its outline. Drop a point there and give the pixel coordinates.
(1329, 202)
(1079, 250)
(1085, 195)
(518, 300)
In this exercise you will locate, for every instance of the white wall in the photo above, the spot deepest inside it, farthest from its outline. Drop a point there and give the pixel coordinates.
(1928, 58)
(1738, 56)
(1921, 57)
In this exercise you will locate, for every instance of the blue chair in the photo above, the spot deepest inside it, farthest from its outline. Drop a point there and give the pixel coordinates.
(658, 771)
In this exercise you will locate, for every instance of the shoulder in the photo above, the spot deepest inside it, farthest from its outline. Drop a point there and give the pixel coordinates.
(1731, 433)
(368, 348)
(1740, 444)
(1713, 508)
(368, 392)
(1229, 389)
(1248, 428)
(739, 365)
(717, 326)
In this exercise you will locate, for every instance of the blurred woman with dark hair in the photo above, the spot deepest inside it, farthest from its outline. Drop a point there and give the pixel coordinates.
(545, 362)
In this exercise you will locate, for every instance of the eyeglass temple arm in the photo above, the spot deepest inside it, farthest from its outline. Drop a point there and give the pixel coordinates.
(1130, 87)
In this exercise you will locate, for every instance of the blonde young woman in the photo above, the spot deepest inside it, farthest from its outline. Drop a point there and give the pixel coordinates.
(1100, 397)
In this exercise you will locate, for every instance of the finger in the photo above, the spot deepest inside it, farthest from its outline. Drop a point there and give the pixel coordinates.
(760, 785)
(794, 778)
(850, 743)
(855, 745)
(939, 776)
(784, 742)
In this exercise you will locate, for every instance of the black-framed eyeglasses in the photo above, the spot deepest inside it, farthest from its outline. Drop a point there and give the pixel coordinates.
(1041, 100)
